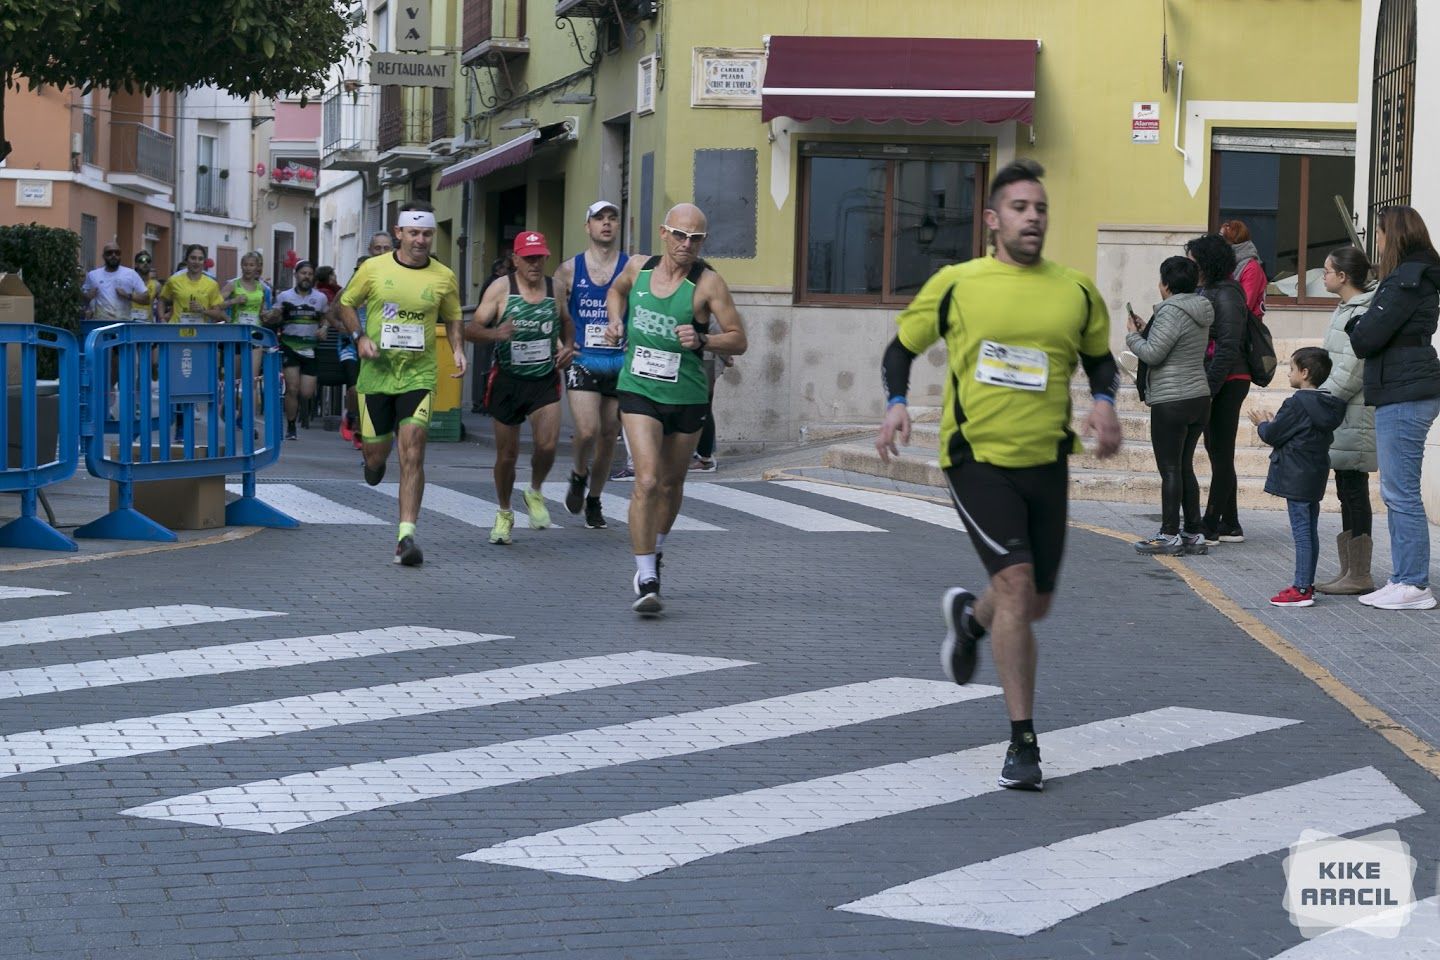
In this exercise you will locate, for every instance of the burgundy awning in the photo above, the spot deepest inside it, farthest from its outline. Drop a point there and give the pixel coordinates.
(899, 78)
(496, 158)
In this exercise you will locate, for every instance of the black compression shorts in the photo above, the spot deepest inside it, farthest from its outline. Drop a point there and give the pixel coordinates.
(1014, 515)
(381, 413)
(582, 378)
(308, 365)
(673, 417)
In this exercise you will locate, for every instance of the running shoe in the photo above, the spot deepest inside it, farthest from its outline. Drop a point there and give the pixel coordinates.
(373, 477)
(539, 514)
(1405, 596)
(575, 496)
(594, 519)
(961, 650)
(699, 464)
(1375, 596)
(290, 433)
(407, 553)
(1232, 534)
(504, 521)
(623, 474)
(1194, 544)
(649, 602)
(1162, 544)
(1294, 597)
(1022, 766)
(347, 432)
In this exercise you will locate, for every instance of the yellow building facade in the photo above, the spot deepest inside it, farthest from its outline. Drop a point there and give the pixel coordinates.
(1155, 119)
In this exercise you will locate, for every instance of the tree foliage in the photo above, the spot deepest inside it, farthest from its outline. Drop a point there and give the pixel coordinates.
(48, 260)
(265, 47)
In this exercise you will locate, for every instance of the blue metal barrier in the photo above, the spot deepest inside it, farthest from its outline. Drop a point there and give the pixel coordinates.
(172, 381)
(28, 475)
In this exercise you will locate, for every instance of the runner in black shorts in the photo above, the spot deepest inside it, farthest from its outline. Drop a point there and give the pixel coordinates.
(382, 413)
(673, 417)
(1005, 431)
(512, 400)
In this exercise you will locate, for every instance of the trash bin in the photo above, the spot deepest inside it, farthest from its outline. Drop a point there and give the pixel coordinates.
(445, 425)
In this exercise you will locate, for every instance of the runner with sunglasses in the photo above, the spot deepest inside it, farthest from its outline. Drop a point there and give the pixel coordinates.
(664, 392)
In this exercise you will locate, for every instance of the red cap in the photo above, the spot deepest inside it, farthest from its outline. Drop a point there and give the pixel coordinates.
(531, 244)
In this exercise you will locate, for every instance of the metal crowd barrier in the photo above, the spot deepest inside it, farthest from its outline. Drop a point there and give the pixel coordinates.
(184, 406)
(23, 471)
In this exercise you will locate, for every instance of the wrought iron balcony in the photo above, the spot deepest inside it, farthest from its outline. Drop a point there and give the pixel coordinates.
(141, 157)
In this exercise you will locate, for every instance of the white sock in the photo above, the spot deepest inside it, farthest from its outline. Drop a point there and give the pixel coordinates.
(659, 542)
(645, 563)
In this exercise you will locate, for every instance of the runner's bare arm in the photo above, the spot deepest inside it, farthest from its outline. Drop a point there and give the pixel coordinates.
(713, 298)
(567, 332)
(455, 334)
(619, 296)
(480, 328)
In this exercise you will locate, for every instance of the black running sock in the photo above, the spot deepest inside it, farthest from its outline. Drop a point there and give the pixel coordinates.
(593, 501)
(576, 478)
(1022, 731)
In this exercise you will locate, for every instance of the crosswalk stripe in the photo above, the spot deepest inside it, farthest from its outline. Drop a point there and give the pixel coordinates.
(307, 506)
(102, 623)
(642, 844)
(776, 511)
(1419, 939)
(24, 593)
(44, 749)
(617, 509)
(230, 658)
(287, 803)
(474, 511)
(1033, 890)
(915, 509)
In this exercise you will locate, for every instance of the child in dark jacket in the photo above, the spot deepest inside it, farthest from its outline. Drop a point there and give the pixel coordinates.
(1301, 433)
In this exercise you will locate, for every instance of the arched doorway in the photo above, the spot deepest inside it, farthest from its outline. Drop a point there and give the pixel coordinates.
(1393, 112)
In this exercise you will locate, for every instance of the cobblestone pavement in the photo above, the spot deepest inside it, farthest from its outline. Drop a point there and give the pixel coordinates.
(285, 746)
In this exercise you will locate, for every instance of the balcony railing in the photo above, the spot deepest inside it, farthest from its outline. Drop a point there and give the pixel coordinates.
(406, 118)
(440, 113)
(348, 122)
(210, 194)
(143, 150)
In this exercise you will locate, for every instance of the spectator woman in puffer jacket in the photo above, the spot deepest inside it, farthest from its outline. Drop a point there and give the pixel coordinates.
(1172, 345)
(1249, 272)
(1352, 452)
(1402, 383)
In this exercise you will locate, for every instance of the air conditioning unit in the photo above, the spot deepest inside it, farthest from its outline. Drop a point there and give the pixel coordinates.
(77, 143)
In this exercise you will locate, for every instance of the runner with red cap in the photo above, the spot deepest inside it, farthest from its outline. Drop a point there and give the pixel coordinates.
(533, 339)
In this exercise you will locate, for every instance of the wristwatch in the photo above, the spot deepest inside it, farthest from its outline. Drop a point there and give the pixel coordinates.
(704, 339)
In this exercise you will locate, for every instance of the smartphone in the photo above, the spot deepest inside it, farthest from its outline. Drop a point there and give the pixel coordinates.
(1129, 309)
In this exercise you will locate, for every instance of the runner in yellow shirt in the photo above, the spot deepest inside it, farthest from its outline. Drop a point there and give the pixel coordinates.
(192, 297)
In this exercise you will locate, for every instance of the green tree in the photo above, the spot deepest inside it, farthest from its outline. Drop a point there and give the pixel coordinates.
(265, 47)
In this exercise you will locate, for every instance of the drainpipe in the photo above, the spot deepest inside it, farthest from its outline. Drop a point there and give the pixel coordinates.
(177, 190)
(1179, 106)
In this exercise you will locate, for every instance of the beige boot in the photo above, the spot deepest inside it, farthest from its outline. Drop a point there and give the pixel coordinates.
(1357, 578)
(1341, 544)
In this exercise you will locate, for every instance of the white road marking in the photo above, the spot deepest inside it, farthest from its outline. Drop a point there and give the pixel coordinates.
(62, 746)
(103, 623)
(24, 593)
(915, 509)
(230, 658)
(307, 506)
(1418, 940)
(642, 844)
(617, 509)
(287, 803)
(776, 511)
(474, 511)
(1026, 892)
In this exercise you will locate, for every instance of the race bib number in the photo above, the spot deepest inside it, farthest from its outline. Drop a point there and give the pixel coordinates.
(523, 352)
(190, 318)
(252, 318)
(140, 314)
(1019, 368)
(595, 337)
(401, 336)
(655, 364)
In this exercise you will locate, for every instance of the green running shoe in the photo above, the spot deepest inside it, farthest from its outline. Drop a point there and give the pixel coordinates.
(500, 533)
(539, 515)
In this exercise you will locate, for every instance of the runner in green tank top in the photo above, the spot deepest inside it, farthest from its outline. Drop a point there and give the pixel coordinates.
(670, 301)
(533, 338)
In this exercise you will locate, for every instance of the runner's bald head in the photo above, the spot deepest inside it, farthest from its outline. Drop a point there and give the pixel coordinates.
(687, 217)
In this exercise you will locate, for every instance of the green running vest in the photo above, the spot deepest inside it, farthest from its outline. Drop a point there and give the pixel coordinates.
(530, 354)
(656, 366)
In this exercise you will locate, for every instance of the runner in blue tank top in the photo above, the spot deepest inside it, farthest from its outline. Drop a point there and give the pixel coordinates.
(584, 281)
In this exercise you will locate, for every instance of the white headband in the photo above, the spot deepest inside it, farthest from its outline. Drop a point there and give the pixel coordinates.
(416, 218)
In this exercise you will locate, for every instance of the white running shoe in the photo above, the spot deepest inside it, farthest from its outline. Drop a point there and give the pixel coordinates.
(1406, 597)
(1370, 598)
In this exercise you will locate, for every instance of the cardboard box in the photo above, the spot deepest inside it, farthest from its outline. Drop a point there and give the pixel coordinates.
(16, 306)
(193, 504)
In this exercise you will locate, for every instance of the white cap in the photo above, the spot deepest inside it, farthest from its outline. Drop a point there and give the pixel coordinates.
(600, 205)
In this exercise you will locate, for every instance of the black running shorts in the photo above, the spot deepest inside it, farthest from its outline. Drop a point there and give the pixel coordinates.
(582, 378)
(1014, 515)
(308, 365)
(381, 413)
(673, 417)
(511, 400)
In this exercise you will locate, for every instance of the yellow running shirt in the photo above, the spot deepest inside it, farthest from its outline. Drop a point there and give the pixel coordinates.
(180, 289)
(402, 305)
(1014, 337)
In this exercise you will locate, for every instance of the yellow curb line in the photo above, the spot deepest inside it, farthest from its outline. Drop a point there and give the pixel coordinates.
(1366, 712)
(229, 536)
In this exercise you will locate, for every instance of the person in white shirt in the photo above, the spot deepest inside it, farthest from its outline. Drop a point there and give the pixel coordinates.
(111, 290)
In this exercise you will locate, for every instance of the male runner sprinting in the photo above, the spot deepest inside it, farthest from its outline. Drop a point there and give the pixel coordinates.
(533, 339)
(583, 282)
(1014, 325)
(664, 391)
(404, 293)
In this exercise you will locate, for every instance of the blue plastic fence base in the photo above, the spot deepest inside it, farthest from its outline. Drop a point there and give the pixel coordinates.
(252, 512)
(32, 533)
(125, 524)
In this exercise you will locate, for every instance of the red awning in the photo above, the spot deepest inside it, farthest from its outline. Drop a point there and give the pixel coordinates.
(496, 158)
(899, 78)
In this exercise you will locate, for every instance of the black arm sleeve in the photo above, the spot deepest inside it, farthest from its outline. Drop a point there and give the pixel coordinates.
(895, 369)
(1104, 374)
